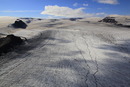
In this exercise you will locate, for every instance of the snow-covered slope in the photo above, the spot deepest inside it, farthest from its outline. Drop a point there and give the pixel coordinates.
(66, 53)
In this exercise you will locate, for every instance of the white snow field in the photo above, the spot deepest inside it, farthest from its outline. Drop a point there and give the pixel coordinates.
(64, 53)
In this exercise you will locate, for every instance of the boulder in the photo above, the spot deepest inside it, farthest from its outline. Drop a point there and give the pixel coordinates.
(9, 42)
(19, 24)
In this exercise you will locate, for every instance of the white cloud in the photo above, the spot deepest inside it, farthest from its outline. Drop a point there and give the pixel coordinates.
(85, 4)
(75, 4)
(64, 11)
(67, 12)
(108, 1)
(20, 11)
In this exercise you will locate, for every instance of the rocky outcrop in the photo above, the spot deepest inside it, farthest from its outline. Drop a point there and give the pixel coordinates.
(109, 20)
(118, 21)
(19, 24)
(74, 19)
(9, 42)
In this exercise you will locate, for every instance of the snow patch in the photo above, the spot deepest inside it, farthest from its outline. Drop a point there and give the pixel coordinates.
(27, 33)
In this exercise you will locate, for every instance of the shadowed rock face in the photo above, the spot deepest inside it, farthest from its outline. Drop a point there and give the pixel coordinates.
(19, 24)
(109, 20)
(74, 19)
(9, 42)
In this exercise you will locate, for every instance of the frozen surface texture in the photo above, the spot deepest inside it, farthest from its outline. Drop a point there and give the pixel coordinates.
(64, 53)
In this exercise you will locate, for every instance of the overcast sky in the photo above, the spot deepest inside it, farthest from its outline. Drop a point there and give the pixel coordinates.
(63, 8)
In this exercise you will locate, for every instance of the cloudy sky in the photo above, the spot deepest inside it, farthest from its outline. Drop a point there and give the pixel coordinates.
(63, 8)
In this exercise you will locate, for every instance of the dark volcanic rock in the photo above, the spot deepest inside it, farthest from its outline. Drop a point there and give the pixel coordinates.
(19, 24)
(74, 19)
(109, 20)
(113, 20)
(9, 42)
(39, 19)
